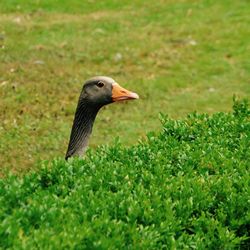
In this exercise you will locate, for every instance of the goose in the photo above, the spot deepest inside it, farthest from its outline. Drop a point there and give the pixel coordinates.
(96, 93)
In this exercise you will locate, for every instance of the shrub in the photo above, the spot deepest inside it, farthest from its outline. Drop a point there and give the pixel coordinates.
(184, 188)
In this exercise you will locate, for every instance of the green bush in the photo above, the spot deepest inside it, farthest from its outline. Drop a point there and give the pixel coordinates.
(184, 188)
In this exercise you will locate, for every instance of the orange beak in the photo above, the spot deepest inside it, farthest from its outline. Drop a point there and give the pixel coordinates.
(121, 94)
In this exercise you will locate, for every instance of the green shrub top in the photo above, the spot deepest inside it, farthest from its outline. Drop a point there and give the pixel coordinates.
(184, 188)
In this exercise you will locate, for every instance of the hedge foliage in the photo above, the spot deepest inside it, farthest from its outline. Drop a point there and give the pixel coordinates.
(186, 187)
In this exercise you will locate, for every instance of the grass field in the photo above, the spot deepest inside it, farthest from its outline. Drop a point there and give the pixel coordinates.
(183, 186)
(180, 56)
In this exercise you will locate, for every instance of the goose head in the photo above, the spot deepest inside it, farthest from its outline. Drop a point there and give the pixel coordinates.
(103, 90)
(96, 93)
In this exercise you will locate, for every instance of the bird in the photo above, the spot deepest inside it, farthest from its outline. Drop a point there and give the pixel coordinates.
(96, 93)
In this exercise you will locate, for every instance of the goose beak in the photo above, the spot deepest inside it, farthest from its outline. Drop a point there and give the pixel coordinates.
(121, 94)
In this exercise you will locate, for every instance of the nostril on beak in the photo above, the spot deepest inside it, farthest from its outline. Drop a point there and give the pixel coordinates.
(124, 92)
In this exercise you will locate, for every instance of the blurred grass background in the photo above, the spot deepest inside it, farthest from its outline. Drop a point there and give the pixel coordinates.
(179, 56)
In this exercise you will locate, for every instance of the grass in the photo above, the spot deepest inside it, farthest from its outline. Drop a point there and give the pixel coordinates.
(186, 187)
(180, 56)
(183, 187)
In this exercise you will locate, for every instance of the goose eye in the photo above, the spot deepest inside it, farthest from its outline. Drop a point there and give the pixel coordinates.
(100, 84)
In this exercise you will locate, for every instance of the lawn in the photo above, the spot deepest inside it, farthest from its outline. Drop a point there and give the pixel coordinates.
(183, 186)
(179, 56)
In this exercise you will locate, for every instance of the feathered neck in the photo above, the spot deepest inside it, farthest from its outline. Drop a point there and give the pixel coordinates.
(82, 127)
